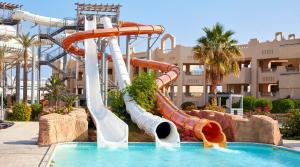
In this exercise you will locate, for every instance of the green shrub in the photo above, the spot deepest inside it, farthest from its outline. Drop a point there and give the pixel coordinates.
(249, 103)
(291, 128)
(143, 90)
(118, 106)
(36, 109)
(69, 100)
(188, 105)
(21, 112)
(297, 103)
(116, 100)
(264, 103)
(283, 105)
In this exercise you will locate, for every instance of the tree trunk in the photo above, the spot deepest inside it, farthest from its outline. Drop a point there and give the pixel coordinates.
(25, 79)
(32, 77)
(213, 90)
(18, 82)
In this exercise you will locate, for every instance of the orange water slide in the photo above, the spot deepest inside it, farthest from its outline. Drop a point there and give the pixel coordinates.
(209, 131)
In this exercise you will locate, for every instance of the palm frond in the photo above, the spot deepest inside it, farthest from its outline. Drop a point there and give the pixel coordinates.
(218, 52)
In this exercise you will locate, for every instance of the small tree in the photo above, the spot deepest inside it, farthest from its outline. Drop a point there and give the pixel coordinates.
(56, 90)
(118, 106)
(143, 90)
(69, 100)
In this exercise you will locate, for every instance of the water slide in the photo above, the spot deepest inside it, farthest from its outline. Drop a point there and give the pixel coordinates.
(164, 131)
(208, 131)
(111, 131)
(41, 20)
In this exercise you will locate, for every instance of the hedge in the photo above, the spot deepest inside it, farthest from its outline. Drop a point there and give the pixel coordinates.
(263, 103)
(188, 105)
(249, 103)
(283, 105)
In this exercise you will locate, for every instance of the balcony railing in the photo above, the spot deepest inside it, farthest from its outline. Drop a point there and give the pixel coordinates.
(269, 95)
(244, 77)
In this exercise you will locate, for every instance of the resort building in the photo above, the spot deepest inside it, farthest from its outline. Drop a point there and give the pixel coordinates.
(268, 70)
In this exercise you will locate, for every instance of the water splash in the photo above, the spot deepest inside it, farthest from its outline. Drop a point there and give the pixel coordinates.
(218, 148)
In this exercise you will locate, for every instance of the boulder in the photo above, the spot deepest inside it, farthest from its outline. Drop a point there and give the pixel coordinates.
(257, 128)
(56, 128)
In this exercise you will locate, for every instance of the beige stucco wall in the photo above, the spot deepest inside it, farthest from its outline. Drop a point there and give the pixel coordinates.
(261, 54)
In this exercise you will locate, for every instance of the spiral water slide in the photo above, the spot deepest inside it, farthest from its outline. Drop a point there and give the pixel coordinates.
(209, 131)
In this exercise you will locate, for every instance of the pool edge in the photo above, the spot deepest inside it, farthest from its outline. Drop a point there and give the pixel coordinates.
(54, 146)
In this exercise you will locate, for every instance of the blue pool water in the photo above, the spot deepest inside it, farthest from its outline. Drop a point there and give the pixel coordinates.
(188, 155)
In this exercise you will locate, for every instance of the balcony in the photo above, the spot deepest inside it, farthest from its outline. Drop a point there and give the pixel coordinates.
(289, 80)
(283, 74)
(189, 79)
(269, 95)
(266, 75)
(80, 83)
(243, 78)
(197, 98)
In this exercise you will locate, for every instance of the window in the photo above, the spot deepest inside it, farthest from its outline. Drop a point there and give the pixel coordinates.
(191, 69)
(80, 91)
(80, 75)
(196, 91)
(110, 71)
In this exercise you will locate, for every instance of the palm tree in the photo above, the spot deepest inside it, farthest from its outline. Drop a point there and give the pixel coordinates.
(56, 90)
(219, 53)
(26, 41)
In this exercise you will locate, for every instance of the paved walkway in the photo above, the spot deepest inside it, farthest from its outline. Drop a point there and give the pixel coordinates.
(18, 146)
(294, 144)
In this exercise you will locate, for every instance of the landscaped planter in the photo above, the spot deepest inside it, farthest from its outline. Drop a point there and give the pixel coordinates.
(257, 128)
(57, 128)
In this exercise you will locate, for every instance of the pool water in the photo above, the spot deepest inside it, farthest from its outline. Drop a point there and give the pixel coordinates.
(188, 155)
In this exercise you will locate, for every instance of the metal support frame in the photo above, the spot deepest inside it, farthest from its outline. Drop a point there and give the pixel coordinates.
(76, 79)
(104, 71)
(33, 77)
(172, 91)
(39, 72)
(128, 53)
(149, 47)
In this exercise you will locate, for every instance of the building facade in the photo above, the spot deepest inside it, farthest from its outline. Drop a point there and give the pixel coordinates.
(268, 70)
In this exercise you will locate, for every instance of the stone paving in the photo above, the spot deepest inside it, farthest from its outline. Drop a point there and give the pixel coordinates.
(18, 146)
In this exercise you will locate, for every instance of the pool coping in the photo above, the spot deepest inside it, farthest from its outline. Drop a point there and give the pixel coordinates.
(46, 162)
(47, 159)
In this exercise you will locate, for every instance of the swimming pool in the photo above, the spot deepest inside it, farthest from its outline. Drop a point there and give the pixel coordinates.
(189, 155)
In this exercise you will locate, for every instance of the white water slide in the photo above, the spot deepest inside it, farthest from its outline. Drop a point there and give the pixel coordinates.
(111, 130)
(164, 131)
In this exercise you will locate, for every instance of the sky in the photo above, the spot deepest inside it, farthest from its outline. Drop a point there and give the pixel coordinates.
(185, 19)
